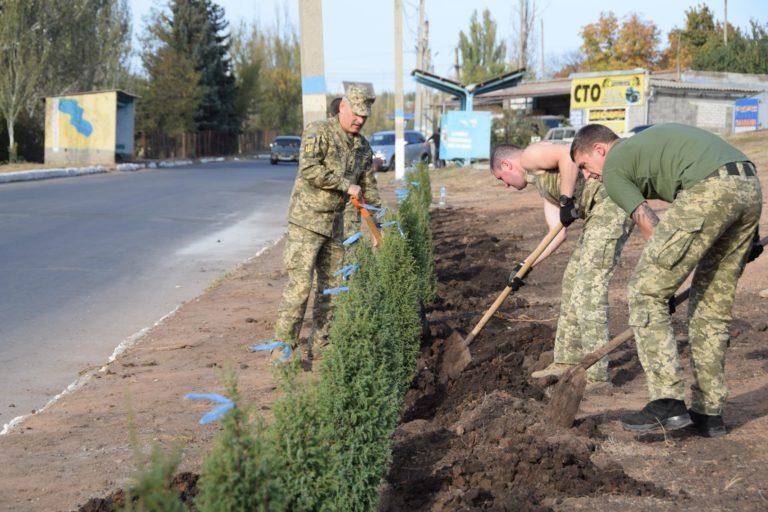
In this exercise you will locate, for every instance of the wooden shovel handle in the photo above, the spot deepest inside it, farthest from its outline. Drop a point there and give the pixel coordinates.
(521, 274)
(366, 215)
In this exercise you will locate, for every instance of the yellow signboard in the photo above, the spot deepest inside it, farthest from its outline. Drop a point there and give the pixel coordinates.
(613, 118)
(608, 91)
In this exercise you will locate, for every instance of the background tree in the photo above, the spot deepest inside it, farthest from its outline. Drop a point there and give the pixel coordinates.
(268, 71)
(608, 45)
(52, 47)
(482, 57)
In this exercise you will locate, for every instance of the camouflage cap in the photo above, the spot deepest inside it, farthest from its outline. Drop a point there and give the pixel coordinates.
(360, 100)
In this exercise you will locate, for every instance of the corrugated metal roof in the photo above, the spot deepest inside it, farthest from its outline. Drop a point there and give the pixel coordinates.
(697, 86)
(538, 88)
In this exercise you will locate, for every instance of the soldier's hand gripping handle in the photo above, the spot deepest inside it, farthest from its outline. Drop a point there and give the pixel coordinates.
(355, 191)
(568, 211)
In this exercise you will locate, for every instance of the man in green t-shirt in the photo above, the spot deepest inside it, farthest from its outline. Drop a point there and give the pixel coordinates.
(583, 322)
(711, 227)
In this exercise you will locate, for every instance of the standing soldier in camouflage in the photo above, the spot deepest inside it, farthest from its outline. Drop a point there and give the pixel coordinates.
(334, 165)
(711, 227)
(583, 323)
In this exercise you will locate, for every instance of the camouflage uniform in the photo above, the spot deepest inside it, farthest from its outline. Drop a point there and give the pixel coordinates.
(330, 161)
(582, 326)
(709, 228)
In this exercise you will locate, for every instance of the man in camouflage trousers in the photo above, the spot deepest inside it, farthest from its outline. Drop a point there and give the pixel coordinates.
(334, 164)
(711, 227)
(583, 323)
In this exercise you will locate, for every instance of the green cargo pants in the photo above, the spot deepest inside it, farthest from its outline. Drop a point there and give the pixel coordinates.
(583, 323)
(709, 229)
(307, 253)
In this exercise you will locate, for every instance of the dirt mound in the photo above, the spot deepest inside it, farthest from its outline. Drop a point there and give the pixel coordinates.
(184, 483)
(482, 441)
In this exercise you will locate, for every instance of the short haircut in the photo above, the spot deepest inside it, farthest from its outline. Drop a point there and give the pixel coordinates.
(334, 108)
(503, 152)
(591, 134)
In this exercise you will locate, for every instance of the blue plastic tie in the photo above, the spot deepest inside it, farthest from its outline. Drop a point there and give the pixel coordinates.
(347, 270)
(352, 239)
(216, 413)
(378, 212)
(415, 183)
(393, 223)
(335, 291)
(287, 350)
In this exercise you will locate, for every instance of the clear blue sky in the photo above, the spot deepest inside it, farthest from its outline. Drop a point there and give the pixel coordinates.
(359, 42)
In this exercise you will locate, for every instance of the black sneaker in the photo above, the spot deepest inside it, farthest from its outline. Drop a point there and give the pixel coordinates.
(706, 425)
(665, 413)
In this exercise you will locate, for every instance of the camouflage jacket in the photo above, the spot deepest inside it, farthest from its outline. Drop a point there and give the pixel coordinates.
(588, 193)
(329, 162)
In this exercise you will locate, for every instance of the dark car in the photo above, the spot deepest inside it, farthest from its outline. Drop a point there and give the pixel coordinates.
(639, 128)
(285, 148)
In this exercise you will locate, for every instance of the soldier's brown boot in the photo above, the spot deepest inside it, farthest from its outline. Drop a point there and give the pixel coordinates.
(553, 370)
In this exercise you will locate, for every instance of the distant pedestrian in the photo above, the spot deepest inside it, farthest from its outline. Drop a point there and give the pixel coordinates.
(710, 228)
(435, 138)
(334, 165)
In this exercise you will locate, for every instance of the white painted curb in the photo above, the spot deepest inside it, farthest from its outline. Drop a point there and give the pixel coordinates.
(44, 174)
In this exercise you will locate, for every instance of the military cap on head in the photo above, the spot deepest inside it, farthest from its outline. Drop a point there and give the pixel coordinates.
(360, 99)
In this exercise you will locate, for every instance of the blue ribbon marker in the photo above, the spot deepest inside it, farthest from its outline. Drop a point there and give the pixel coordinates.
(352, 239)
(347, 270)
(287, 351)
(216, 413)
(393, 223)
(335, 291)
(415, 183)
(378, 212)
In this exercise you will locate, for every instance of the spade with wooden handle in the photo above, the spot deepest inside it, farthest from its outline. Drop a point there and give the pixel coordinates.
(366, 215)
(456, 355)
(569, 391)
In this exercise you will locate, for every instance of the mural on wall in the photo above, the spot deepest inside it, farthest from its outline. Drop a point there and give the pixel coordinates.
(82, 125)
(75, 112)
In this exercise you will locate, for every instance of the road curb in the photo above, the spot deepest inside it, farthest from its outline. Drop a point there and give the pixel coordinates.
(45, 174)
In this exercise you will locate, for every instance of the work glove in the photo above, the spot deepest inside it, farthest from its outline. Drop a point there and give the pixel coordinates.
(756, 249)
(672, 305)
(568, 211)
(513, 281)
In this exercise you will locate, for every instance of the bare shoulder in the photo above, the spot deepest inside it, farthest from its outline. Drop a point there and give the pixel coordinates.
(543, 155)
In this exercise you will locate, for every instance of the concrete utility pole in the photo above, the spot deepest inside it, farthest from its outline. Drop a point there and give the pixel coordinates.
(523, 43)
(399, 114)
(312, 66)
(542, 47)
(420, 47)
(456, 65)
(725, 25)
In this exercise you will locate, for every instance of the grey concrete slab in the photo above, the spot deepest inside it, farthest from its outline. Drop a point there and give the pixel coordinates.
(87, 262)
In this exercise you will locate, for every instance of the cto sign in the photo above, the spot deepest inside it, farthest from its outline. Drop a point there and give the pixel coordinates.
(608, 91)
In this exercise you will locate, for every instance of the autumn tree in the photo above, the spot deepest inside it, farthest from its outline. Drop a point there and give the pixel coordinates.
(684, 43)
(608, 44)
(482, 57)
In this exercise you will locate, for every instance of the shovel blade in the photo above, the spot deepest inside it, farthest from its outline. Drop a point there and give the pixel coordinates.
(567, 396)
(456, 357)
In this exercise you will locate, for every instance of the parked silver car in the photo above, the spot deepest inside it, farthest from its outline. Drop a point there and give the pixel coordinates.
(383, 145)
(285, 148)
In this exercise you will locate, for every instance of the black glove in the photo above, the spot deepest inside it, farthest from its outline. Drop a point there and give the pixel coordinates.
(672, 305)
(756, 249)
(568, 211)
(513, 281)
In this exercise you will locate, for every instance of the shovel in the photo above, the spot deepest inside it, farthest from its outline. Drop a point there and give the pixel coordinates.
(366, 215)
(457, 356)
(569, 391)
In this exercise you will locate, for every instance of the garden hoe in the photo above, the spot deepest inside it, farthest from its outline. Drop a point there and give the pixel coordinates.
(457, 356)
(569, 391)
(366, 215)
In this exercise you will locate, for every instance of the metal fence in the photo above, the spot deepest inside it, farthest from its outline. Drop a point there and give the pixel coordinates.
(156, 146)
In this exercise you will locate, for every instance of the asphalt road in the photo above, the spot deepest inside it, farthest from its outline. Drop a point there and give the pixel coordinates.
(87, 262)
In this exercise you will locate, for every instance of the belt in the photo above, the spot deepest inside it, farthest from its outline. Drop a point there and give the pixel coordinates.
(744, 169)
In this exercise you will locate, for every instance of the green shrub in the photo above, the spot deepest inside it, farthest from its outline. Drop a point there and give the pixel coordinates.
(237, 475)
(413, 216)
(151, 490)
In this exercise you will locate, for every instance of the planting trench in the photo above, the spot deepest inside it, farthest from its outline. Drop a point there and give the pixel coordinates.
(483, 441)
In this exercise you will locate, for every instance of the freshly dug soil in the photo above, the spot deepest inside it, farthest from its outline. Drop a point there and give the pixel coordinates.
(482, 441)
(184, 483)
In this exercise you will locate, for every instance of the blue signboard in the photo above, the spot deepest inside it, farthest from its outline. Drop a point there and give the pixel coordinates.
(465, 135)
(745, 114)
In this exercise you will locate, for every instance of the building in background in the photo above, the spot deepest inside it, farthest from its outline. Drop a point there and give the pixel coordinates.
(626, 99)
(89, 128)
